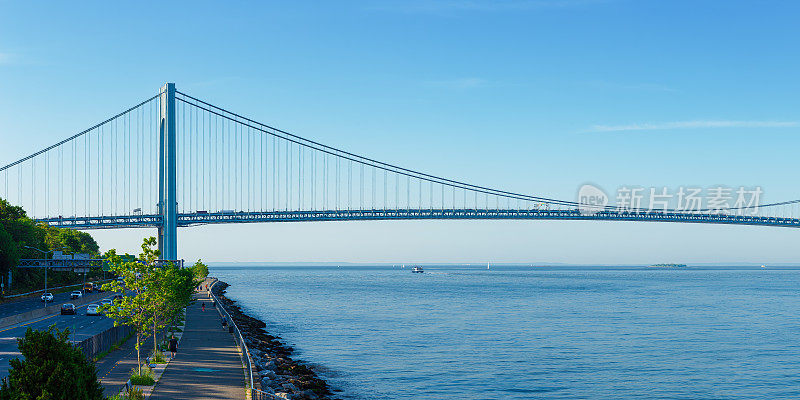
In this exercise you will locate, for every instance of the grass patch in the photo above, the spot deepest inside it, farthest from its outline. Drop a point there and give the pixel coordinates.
(158, 358)
(133, 393)
(145, 379)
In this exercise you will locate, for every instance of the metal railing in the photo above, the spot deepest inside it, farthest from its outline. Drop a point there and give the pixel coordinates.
(244, 351)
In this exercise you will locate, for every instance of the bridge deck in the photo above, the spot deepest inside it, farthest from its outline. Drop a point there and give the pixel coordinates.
(201, 218)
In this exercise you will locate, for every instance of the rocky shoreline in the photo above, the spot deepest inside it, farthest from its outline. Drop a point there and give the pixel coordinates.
(278, 373)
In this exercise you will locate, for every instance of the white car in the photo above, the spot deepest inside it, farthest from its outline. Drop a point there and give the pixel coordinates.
(106, 302)
(47, 297)
(93, 309)
(77, 294)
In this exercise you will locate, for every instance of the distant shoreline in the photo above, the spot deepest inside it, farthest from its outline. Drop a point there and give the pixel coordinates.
(518, 267)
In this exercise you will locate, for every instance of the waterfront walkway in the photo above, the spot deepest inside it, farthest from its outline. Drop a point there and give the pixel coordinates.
(207, 365)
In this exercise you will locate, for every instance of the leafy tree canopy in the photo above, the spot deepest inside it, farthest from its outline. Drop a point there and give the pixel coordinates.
(50, 369)
(200, 270)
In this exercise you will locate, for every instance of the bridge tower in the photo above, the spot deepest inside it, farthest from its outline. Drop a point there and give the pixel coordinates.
(167, 179)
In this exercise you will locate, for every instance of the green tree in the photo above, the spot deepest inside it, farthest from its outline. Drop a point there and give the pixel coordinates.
(200, 270)
(9, 252)
(71, 240)
(133, 309)
(169, 289)
(22, 231)
(50, 369)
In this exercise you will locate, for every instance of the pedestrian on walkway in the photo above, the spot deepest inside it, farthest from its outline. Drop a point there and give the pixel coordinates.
(173, 345)
(204, 306)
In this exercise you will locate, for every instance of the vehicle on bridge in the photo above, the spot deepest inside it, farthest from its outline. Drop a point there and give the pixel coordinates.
(76, 294)
(68, 309)
(47, 297)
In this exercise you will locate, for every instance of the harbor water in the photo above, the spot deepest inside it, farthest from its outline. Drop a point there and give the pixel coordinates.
(465, 332)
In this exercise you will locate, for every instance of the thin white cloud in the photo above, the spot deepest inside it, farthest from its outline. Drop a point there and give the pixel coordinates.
(694, 125)
(5, 58)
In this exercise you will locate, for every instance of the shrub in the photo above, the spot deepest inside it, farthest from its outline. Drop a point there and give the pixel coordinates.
(134, 393)
(50, 368)
(158, 358)
(145, 379)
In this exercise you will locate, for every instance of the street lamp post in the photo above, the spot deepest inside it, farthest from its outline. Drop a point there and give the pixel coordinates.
(45, 270)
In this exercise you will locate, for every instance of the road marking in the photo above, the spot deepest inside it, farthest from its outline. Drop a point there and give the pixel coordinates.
(28, 323)
(42, 319)
(206, 370)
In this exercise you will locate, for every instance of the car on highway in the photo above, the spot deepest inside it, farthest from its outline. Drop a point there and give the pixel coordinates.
(106, 302)
(47, 297)
(93, 309)
(68, 308)
(76, 294)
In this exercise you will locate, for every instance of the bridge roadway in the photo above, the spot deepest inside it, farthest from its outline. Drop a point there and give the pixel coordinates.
(201, 218)
(80, 325)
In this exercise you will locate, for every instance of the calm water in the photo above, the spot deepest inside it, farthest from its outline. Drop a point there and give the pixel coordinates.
(461, 333)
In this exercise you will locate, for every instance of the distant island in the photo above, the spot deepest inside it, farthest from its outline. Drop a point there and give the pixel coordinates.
(668, 266)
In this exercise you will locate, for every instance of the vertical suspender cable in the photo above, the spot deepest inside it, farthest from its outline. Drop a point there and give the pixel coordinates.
(288, 175)
(349, 180)
(249, 167)
(338, 160)
(300, 175)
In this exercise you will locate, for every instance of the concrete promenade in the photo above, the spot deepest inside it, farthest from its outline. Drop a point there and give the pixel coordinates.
(207, 365)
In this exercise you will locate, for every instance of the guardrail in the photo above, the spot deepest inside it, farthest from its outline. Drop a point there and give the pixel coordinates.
(244, 351)
(104, 340)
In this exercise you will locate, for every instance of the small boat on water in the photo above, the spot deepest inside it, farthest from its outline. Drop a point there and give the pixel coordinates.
(763, 266)
(417, 270)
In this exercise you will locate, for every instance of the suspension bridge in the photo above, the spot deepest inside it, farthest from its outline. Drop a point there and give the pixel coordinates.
(174, 160)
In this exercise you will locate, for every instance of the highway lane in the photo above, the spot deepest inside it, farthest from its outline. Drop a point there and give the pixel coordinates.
(26, 304)
(81, 327)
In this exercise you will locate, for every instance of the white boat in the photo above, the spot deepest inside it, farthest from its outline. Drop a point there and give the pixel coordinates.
(417, 270)
(487, 265)
(763, 266)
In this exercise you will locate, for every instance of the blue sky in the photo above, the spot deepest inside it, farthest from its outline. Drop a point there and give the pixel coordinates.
(532, 96)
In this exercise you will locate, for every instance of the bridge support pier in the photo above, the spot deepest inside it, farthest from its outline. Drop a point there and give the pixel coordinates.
(167, 184)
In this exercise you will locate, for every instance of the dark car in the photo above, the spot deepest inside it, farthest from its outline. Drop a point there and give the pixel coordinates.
(68, 309)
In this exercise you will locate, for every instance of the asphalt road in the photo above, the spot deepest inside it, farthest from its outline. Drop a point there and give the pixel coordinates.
(81, 327)
(31, 303)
